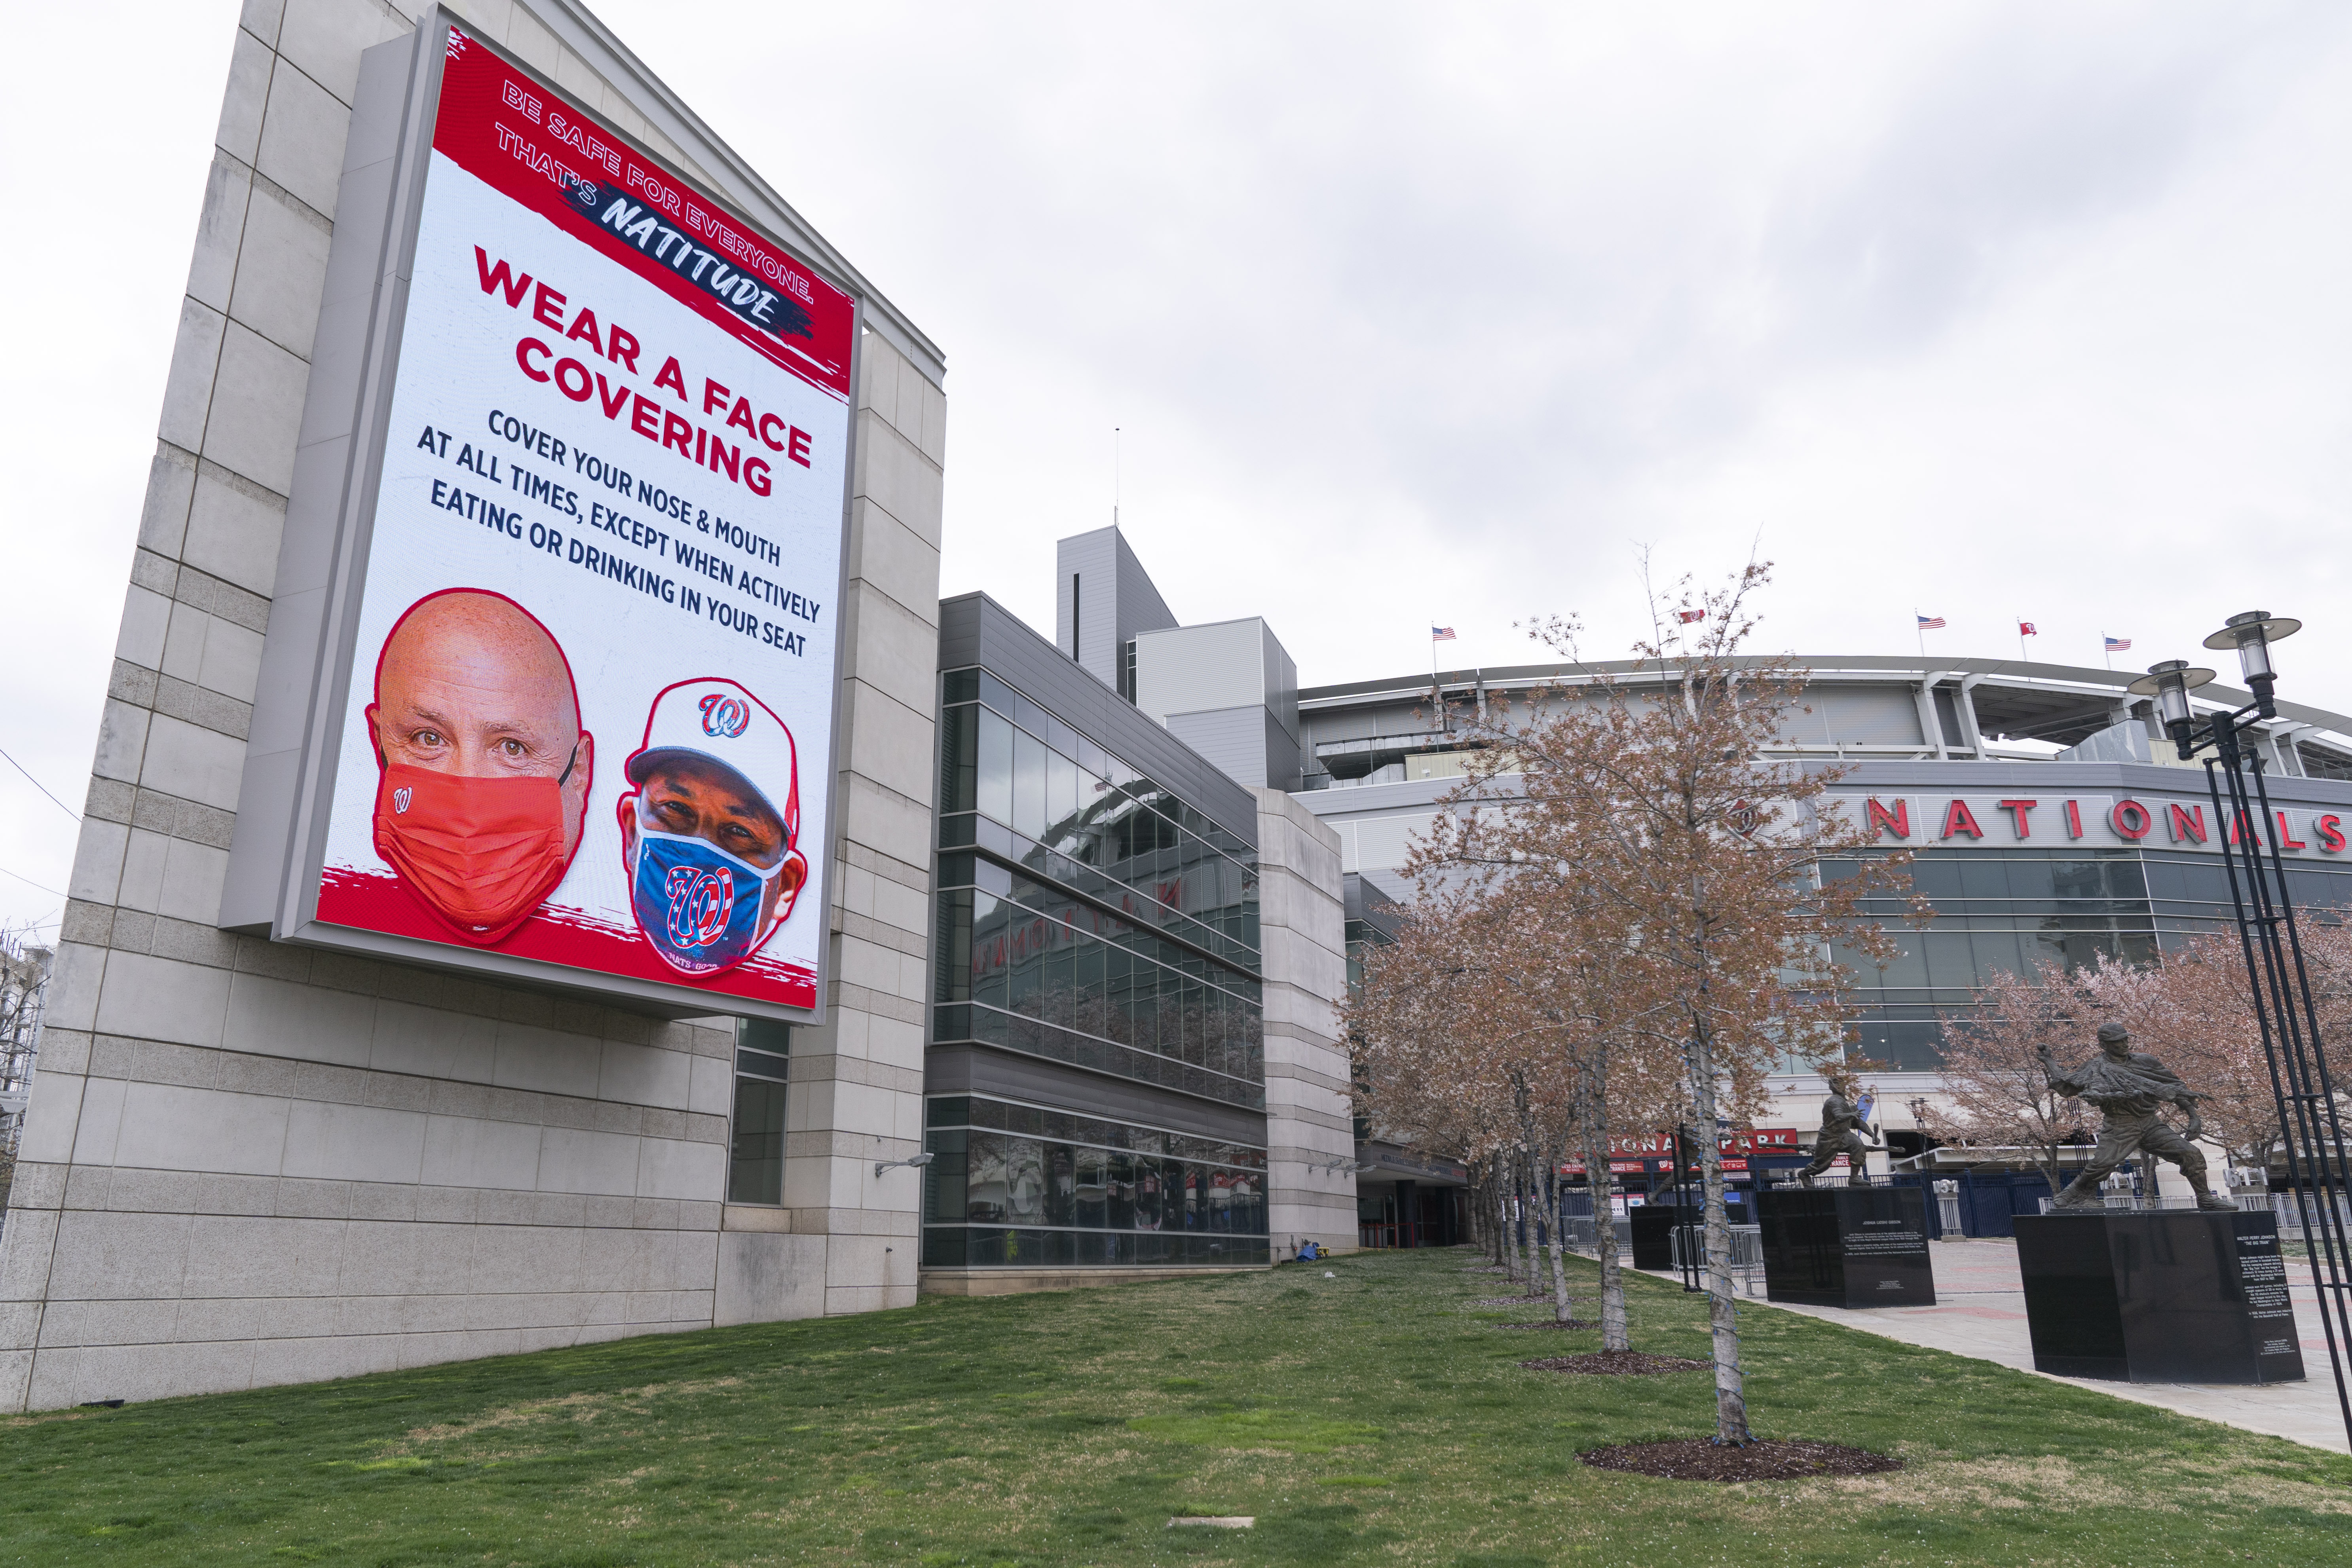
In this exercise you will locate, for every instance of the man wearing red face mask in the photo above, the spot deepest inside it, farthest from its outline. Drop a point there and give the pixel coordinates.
(486, 769)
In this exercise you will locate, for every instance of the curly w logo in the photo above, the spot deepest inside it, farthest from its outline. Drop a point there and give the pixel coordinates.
(725, 716)
(700, 905)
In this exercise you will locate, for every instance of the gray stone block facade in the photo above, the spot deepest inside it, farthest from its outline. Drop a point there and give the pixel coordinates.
(247, 1163)
(1309, 1123)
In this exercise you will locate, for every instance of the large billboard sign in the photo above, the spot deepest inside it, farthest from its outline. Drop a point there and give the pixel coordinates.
(586, 714)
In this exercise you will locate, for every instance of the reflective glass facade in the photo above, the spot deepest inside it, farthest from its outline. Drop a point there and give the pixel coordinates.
(1014, 1186)
(2006, 908)
(1086, 914)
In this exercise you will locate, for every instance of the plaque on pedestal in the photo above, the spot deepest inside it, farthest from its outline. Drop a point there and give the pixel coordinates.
(1846, 1246)
(2158, 1295)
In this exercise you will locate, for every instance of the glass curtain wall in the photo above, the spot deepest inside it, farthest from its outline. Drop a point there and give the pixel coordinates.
(1085, 913)
(1022, 1185)
(1999, 911)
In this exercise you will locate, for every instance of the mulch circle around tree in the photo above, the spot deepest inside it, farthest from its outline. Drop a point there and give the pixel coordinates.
(1700, 1460)
(1615, 1363)
(1551, 1323)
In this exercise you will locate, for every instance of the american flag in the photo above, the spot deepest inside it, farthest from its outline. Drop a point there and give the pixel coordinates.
(1931, 623)
(1441, 633)
(1688, 617)
(2119, 644)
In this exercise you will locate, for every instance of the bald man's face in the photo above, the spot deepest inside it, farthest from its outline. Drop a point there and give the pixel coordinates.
(471, 686)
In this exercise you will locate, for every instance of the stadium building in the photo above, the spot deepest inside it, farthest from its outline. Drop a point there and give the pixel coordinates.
(2050, 816)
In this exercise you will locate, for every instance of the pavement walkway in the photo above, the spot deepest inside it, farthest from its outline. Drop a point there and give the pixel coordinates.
(1980, 1311)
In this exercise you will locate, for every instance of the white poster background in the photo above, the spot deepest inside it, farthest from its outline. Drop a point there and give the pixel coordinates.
(458, 364)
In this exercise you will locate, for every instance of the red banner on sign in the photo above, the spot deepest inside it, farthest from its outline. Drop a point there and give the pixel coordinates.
(514, 133)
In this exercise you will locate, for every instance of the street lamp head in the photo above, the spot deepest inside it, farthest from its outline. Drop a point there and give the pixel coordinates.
(916, 1161)
(2251, 635)
(2169, 683)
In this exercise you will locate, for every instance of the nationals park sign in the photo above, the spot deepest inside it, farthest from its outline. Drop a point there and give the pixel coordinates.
(2101, 820)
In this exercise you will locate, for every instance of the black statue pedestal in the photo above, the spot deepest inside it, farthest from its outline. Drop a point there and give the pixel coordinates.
(1653, 1226)
(1846, 1246)
(2158, 1295)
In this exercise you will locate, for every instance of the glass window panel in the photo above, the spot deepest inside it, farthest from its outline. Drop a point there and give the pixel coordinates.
(943, 1196)
(1028, 783)
(987, 1190)
(1061, 1184)
(996, 694)
(960, 686)
(1150, 1194)
(756, 1158)
(1024, 1180)
(1029, 716)
(1982, 877)
(1093, 1167)
(994, 780)
(1061, 791)
(1122, 1191)
(955, 946)
(959, 758)
(762, 1064)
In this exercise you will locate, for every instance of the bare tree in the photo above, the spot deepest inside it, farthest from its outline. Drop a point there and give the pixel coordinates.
(1640, 819)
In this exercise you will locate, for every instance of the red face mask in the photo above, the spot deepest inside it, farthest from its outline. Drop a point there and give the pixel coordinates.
(481, 853)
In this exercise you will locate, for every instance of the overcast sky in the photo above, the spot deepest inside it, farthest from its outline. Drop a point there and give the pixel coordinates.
(1412, 316)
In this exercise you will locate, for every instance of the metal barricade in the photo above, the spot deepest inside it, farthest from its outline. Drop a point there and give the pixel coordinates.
(1746, 1253)
(2298, 1211)
(1582, 1238)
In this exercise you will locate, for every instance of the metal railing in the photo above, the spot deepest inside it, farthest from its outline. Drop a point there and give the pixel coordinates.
(1746, 1253)
(2128, 1203)
(1582, 1238)
(2299, 1213)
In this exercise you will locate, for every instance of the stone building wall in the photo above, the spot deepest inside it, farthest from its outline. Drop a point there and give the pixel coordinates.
(1309, 1125)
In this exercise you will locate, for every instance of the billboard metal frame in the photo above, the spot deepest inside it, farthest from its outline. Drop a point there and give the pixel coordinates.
(278, 855)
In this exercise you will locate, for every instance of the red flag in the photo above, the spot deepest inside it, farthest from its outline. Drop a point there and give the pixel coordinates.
(1688, 617)
(2025, 629)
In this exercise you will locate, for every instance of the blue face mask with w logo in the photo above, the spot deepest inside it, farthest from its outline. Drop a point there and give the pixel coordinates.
(699, 905)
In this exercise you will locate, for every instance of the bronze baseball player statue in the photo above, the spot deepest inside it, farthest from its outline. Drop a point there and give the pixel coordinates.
(1842, 1130)
(2129, 1087)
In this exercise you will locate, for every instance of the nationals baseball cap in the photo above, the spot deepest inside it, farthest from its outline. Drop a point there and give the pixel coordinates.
(716, 721)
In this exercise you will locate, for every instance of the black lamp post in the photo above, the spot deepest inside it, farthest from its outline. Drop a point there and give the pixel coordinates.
(2248, 829)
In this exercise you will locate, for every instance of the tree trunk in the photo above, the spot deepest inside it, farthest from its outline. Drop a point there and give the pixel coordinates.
(1553, 1205)
(1594, 1104)
(1506, 1251)
(1531, 1223)
(1730, 1395)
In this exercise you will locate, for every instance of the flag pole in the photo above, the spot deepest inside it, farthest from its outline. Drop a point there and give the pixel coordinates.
(2021, 639)
(2106, 655)
(1919, 632)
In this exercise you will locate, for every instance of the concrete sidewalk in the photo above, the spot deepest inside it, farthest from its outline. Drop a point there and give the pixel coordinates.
(1981, 1312)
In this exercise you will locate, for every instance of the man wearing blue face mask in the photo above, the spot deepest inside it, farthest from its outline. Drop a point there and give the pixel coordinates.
(707, 835)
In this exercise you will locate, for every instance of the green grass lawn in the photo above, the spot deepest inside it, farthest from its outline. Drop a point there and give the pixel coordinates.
(1371, 1417)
